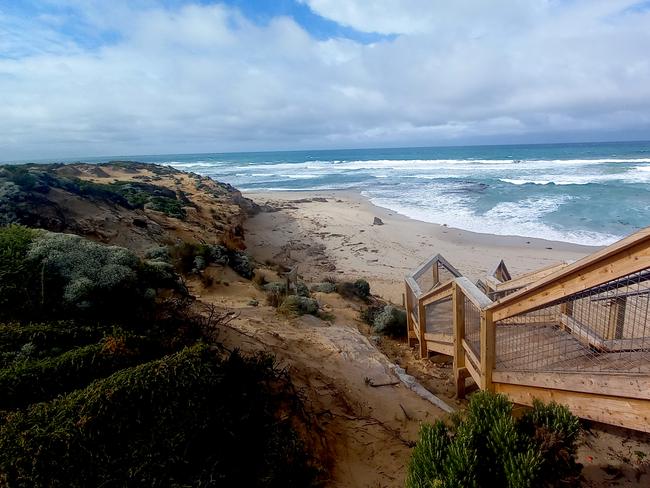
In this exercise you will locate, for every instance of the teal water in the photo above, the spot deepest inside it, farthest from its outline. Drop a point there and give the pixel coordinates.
(591, 193)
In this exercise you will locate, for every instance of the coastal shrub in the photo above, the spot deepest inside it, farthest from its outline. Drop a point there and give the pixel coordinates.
(362, 287)
(80, 277)
(16, 271)
(325, 287)
(158, 254)
(299, 305)
(487, 446)
(43, 339)
(277, 287)
(358, 289)
(188, 419)
(302, 289)
(242, 264)
(390, 321)
(38, 380)
(168, 206)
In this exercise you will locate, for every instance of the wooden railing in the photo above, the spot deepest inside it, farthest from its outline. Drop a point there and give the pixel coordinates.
(620, 397)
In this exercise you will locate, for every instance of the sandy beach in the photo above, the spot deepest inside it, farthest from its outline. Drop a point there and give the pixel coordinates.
(332, 232)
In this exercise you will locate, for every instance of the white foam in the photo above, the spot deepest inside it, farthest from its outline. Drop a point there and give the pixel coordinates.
(522, 218)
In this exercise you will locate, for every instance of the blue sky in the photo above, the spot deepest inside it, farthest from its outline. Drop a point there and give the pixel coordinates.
(81, 77)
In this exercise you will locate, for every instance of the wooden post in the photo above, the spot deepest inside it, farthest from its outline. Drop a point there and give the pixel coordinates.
(422, 319)
(409, 307)
(460, 373)
(616, 318)
(488, 349)
(436, 275)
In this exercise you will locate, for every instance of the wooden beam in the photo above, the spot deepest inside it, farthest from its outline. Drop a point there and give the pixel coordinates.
(458, 307)
(471, 291)
(422, 325)
(616, 320)
(470, 353)
(438, 293)
(447, 338)
(409, 319)
(476, 376)
(619, 385)
(624, 412)
(531, 277)
(627, 256)
(583, 333)
(441, 347)
(488, 349)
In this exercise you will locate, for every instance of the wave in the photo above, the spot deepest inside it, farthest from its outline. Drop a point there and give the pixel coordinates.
(523, 218)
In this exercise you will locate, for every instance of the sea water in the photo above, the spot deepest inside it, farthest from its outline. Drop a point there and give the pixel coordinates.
(588, 193)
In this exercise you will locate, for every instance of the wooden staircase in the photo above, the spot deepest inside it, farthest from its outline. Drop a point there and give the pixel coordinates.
(575, 333)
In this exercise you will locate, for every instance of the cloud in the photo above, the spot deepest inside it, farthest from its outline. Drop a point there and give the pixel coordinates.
(141, 77)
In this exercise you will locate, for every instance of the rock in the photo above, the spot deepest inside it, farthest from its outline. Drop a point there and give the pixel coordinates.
(253, 303)
(377, 221)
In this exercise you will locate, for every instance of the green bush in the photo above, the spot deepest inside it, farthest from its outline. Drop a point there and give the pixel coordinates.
(15, 269)
(390, 321)
(34, 381)
(299, 305)
(43, 340)
(49, 275)
(487, 446)
(358, 289)
(362, 287)
(188, 419)
(325, 287)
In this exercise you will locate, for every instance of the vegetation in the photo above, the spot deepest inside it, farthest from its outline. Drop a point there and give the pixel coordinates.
(386, 320)
(38, 380)
(48, 275)
(187, 419)
(296, 304)
(358, 289)
(105, 379)
(487, 446)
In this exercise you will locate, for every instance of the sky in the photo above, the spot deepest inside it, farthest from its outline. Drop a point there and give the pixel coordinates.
(97, 77)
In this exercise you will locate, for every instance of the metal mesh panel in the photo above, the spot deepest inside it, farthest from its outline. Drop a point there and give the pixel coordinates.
(444, 275)
(425, 280)
(603, 329)
(413, 300)
(440, 317)
(473, 327)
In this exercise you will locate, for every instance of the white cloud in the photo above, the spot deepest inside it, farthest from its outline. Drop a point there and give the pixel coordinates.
(204, 78)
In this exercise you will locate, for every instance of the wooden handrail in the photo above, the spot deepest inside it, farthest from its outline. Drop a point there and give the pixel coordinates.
(528, 278)
(627, 256)
(473, 293)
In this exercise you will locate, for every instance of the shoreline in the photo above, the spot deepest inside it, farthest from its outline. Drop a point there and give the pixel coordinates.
(332, 231)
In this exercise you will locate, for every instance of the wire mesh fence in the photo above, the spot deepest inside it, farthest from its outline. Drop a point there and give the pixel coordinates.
(602, 329)
(473, 326)
(439, 317)
(412, 301)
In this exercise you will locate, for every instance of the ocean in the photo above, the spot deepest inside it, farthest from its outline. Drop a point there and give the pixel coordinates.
(587, 193)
